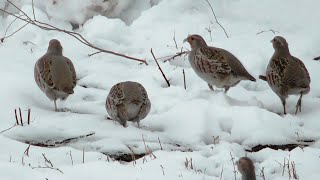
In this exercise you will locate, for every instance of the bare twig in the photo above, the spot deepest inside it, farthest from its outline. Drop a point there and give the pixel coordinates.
(221, 173)
(262, 173)
(15, 113)
(133, 157)
(234, 167)
(160, 143)
(51, 143)
(184, 79)
(78, 36)
(162, 169)
(83, 155)
(209, 31)
(270, 30)
(317, 58)
(29, 112)
(21, 121)
(40, 167)
(26, 152)
(215, 17)
(70, 154)
(174, 39)
(172, 57)
(164, 76)
(47, 160)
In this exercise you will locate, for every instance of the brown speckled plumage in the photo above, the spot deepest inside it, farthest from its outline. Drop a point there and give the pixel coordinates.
(287, 74)
(216, 66)
(246, 168)
(128, 101)
(55, 74)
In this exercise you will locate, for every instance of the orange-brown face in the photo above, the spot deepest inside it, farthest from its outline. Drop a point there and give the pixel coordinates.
(195, 41)
(279, 42)
(54, 44)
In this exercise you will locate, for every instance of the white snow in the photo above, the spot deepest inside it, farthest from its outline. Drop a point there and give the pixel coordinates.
(187, 122)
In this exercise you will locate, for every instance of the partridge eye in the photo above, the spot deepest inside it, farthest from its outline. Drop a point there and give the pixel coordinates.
(192, 39)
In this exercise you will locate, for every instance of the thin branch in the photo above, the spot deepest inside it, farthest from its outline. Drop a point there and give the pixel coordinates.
(26, 152)
(215, 17)
(179, 54)
(17, 121)
(164, 76)
(47, 160)
(21, 121)
(40, 167)
(174, 39)
(29, 112)
(184, 79)
(234, 167)
(160, 143)
(79, 37)
(270, 30)
(317, 58)
(51, 143)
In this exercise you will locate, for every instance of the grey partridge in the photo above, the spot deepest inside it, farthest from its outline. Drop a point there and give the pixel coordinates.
(55, 74)
(286, 74)
(216, 66)
(128, 101)
(246, 168)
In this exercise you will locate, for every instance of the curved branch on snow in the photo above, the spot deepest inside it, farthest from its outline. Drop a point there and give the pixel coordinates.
(49, 27)
(216, 19)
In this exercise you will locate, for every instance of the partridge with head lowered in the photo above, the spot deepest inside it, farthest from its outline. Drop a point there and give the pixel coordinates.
(286, 74)
(55, 74)
(128, 101)
(246, 168)
(216, 66)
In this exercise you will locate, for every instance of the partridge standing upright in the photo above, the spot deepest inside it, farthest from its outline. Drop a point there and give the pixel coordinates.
(128, 101)
(286, 74)
(55, 74)
(246, 168)
(216, 66)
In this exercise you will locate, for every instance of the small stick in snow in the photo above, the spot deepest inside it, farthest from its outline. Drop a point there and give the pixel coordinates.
(215, 17)
(221, 173)
(262, 173)
(184, 79)
(162, 169)
(21, 121)
(15, 113)
(29, 112)
(263, 78)
(174, 39)
(164, 76)
(70, 154)
(209, 31)
(40, 167)
(317, 58)
(26, 152)
(47, 160)
(271, 30)
(172, 57)
(160, 143)
(234, 167)
(83, 155)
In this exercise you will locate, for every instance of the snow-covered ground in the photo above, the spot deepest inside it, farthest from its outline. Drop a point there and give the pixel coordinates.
(195, 124)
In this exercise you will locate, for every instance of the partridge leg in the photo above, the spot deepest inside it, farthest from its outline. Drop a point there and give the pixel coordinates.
(283, 100)
(299, 103)
(226, 88)
(210, 87)
(55, 105)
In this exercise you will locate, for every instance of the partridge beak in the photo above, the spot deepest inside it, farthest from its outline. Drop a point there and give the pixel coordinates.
(185, 40)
